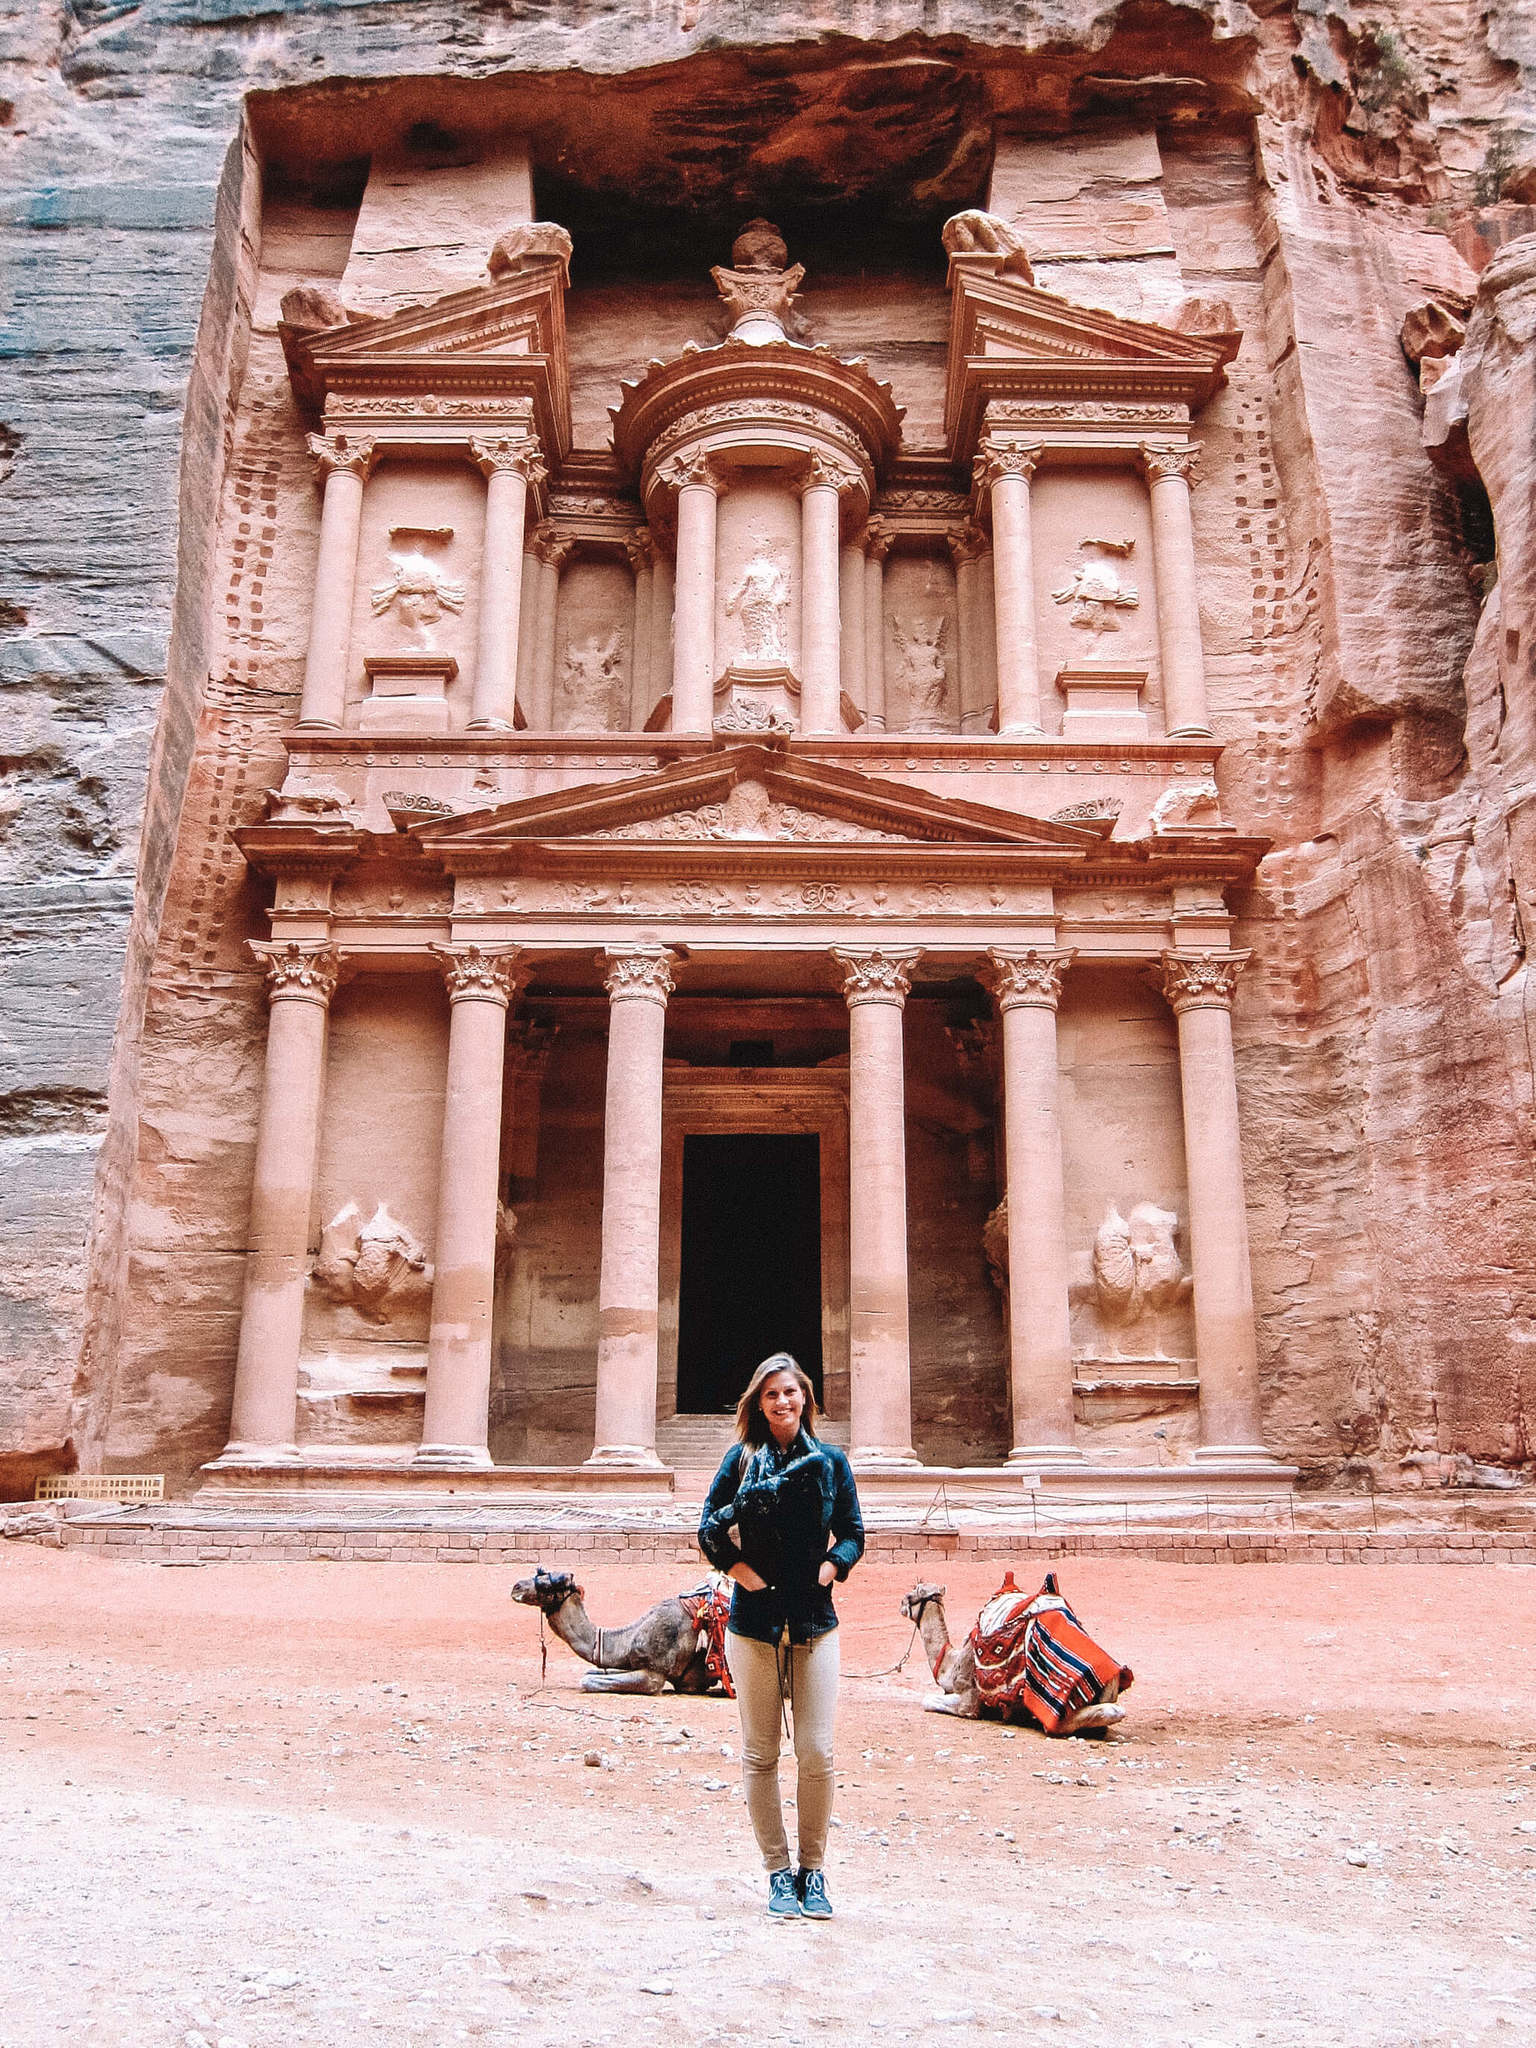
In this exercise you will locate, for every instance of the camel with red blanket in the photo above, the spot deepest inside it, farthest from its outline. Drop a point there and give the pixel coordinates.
(1025, 1660)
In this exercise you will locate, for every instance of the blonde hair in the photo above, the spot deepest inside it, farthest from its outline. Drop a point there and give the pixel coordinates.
(751, 1423)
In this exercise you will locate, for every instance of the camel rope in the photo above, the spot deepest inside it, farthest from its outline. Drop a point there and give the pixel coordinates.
(890, 1670)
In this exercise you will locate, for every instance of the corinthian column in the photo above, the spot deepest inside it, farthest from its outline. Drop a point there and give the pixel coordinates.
(967, 545)
(1004, 471)
(1028, 988)
(552, 554)
(509, 466)
(877, 545)
(1169, 473)
(344, 462)
(301, 979)
(876, 986)
(638, 982)
(455, 1427)
(693, 652)
(821, 680)
(642, 563)
(1200, 988)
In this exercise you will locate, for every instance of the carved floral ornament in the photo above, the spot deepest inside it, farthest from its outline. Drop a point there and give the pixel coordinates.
(822, 472)
(878, 975)
(343, 454)
(1201, 981)
(1029, 979)
(691, 471)
(305, 969)
(643, 974)
(1159, 464)
(508, 455)
(998, 459)
(480, 973)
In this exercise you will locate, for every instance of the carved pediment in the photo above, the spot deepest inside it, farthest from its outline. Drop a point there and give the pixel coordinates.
(471, 351)
(1010, 340)
(748, 795)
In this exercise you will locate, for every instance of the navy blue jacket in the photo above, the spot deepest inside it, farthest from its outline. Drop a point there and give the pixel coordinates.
(798, 1508)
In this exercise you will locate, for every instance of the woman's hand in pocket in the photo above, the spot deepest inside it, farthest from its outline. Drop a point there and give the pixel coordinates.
(749, 1580)
(827, 1573)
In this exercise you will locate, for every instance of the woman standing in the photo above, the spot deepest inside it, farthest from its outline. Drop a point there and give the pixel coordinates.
(782, 1520)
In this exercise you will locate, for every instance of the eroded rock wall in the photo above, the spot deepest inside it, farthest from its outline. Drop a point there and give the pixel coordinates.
(1323, 172)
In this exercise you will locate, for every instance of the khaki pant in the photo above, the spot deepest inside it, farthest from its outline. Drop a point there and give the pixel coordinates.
(813, 1670)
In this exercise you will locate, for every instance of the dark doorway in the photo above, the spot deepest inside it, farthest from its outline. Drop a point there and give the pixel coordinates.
(750, 1280)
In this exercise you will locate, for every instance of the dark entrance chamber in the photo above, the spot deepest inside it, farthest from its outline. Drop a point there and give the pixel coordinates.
(750, 1280)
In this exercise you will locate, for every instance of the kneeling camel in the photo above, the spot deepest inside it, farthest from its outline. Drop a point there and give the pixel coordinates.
(658, 1650)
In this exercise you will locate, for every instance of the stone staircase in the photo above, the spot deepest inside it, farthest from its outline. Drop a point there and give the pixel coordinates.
(695, 1444)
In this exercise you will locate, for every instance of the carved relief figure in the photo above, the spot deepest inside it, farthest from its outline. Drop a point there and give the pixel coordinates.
(1094, 592)
(591, 675)
(923, 672)
(1136, 1266)
(761, 601)
(416, 587)
(1187, 803)
(376, 1267)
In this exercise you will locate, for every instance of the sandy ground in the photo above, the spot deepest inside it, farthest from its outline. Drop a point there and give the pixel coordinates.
(253, 1806)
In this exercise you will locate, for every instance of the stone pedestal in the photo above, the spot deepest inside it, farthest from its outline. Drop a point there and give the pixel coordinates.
(876, 986)
(638, 983)
(406, 692)
(753, 700)
(1102, 705)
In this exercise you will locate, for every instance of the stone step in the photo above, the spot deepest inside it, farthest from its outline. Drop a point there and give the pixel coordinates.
(693, 1442)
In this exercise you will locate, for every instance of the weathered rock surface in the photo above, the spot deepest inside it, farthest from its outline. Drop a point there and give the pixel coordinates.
(1323, 175)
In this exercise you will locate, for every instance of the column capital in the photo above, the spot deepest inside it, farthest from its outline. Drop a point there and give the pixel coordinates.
(966, 543)
(508, 455)
(877, 974)
(336, 453)
(303, 970)
(1159, 464)
(996, 459)
(1201, 981)
(550, 547)
(693, 471)
(825, 473)
(878, 536)
(640, 548)
(1028, 979)
(483, 974)
(637, 973)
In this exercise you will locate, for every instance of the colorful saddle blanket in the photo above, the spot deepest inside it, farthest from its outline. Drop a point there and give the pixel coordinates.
(708, 1607)
(1032, 1656)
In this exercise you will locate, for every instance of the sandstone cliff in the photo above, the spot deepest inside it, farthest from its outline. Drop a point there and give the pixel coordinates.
(1328, 168)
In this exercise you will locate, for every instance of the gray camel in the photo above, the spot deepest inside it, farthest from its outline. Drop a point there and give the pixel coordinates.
(660, 1649)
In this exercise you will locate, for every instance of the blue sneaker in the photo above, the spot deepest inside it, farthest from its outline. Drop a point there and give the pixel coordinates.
(783, 1897)
(812, 1888)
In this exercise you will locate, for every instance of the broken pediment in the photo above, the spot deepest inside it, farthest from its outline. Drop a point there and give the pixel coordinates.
(1011, 341)
(467, 354)
(746, 795)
